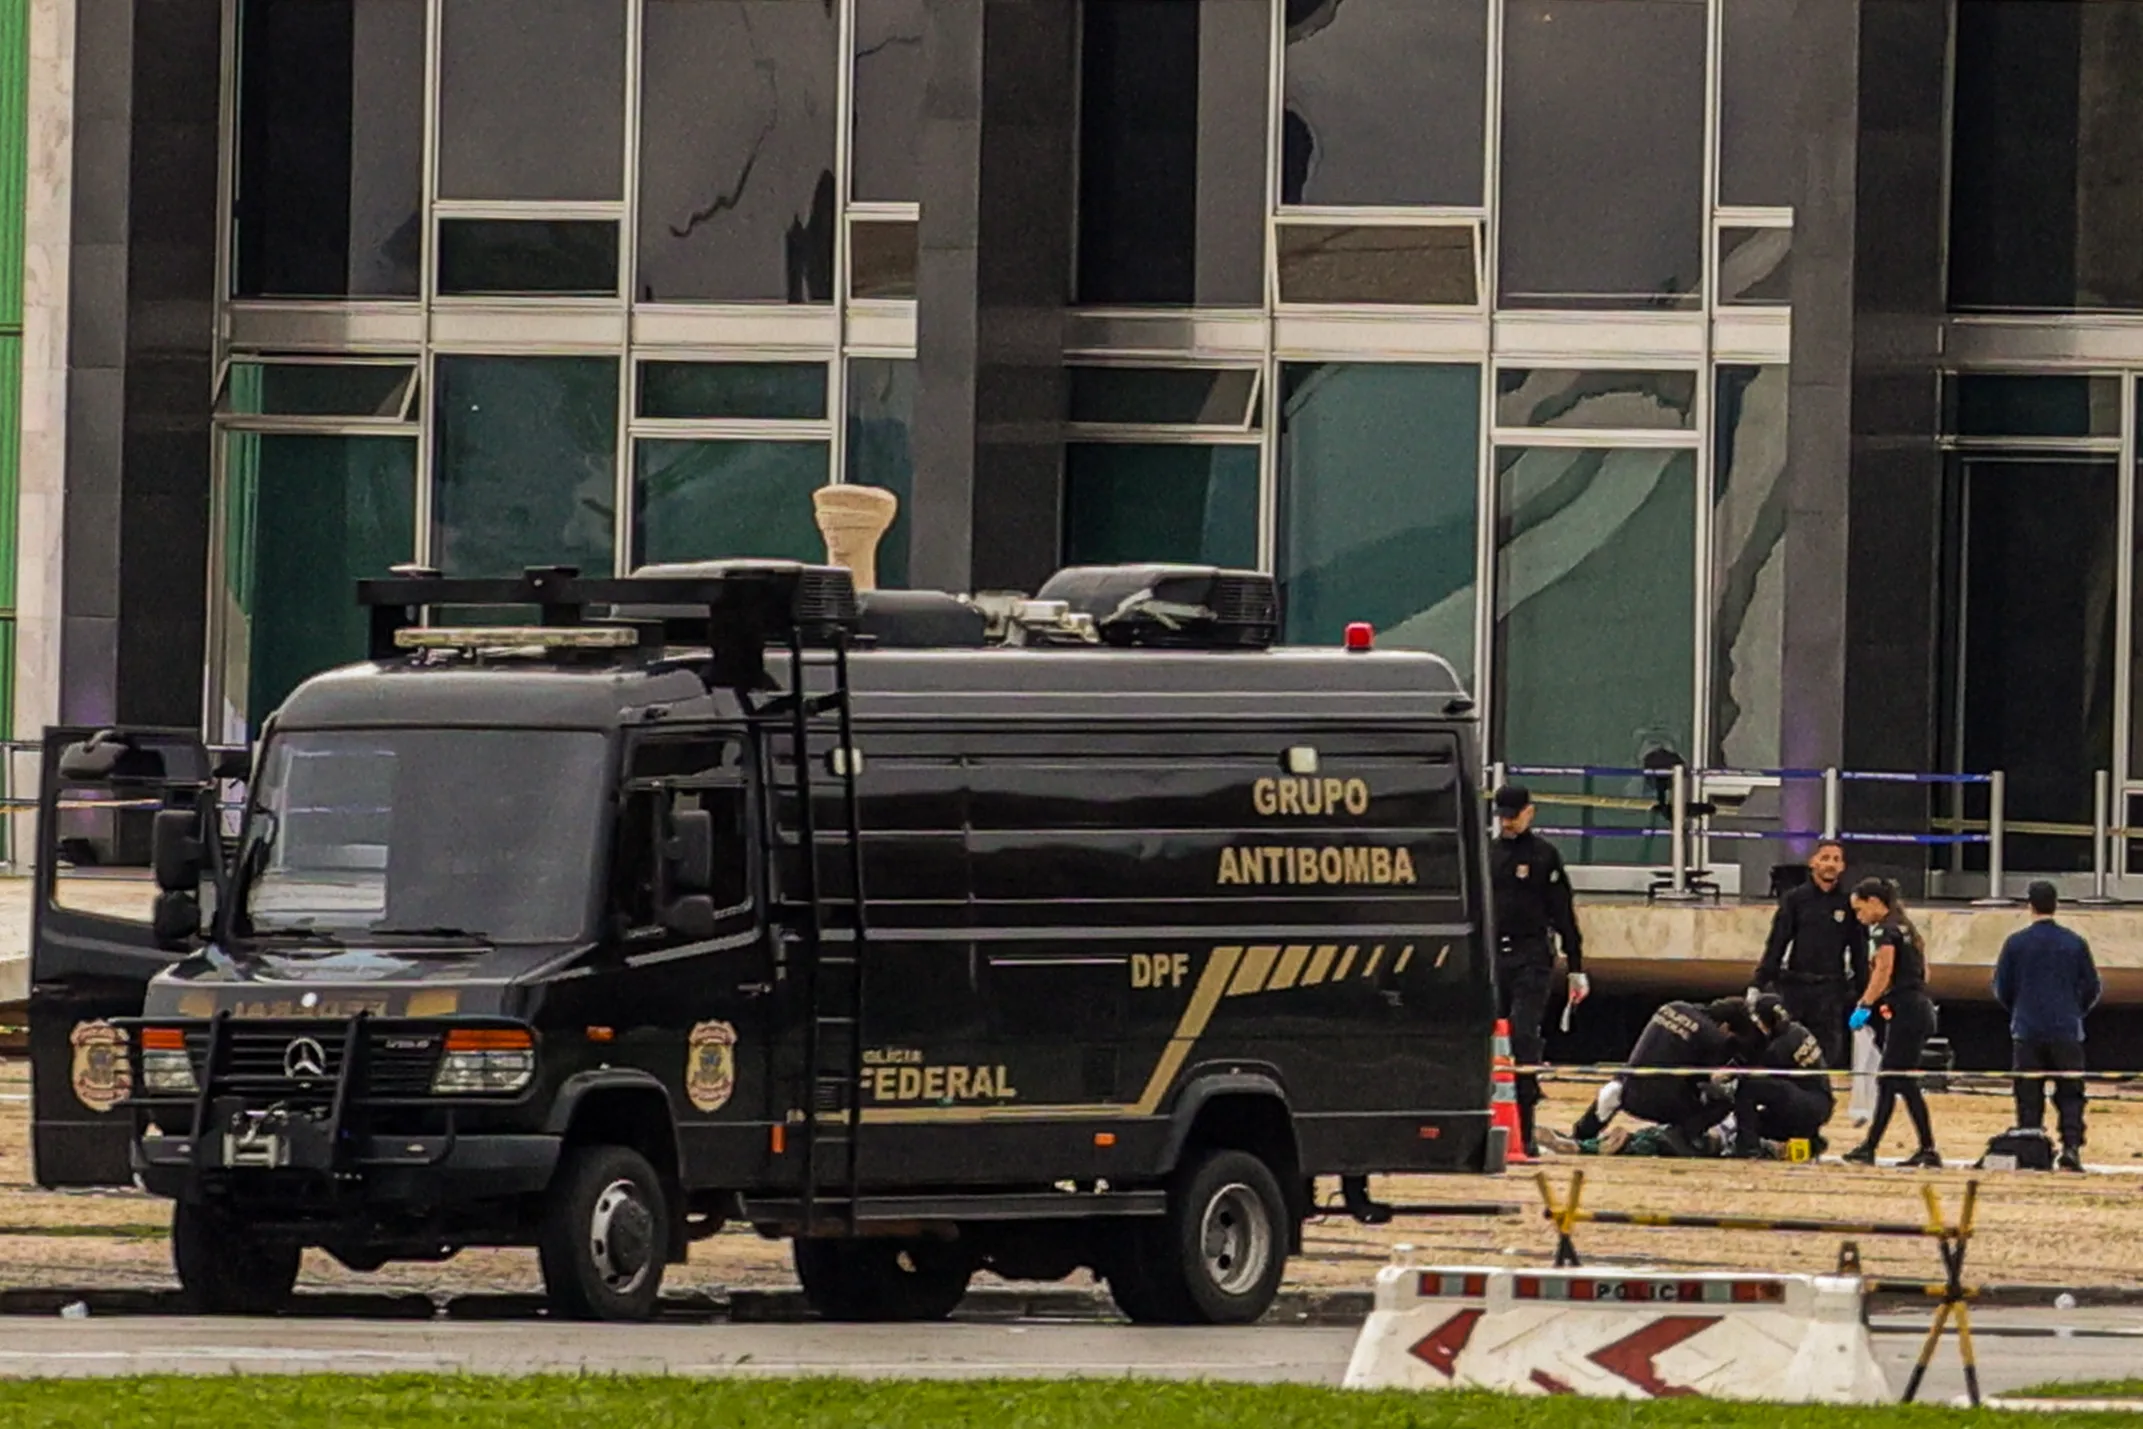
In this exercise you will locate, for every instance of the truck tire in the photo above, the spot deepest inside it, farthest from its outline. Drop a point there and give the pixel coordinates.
(225, 1267)
(605, 1235)
(882, 1280)
(1217, 1256)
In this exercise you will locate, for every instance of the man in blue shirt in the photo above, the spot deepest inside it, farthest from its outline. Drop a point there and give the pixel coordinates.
(2046, 982)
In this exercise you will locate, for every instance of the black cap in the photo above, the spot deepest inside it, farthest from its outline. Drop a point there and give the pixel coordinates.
(2042, 897)
(1513, 799)
(1770, 1010)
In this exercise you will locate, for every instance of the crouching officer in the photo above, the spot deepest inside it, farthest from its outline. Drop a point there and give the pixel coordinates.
(1681, 1034)
(1787, 1097)
(1532, 904)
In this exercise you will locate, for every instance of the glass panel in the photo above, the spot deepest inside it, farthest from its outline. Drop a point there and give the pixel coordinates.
(309, 389)
(1172, 152)
(881, 259)
(305, 518)
(1603, 153)
(1379, 263)
(700, 501)
(1748, 566)
(1990, 405)
(1343, 140)
(525, 464)
(2048, 138)
(1127, 504)
(1595, 401)
(1163, 396)
(1755, 266)
(532, 99)
(2041, 540)
(1595, 581)
(881, 421)
(891, 71)
(1758, 125)
(775, 391)
(330, 148)
(514, 255)
(1379, 478)
(737, 200)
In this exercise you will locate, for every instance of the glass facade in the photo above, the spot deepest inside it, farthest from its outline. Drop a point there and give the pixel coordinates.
(1467, 318)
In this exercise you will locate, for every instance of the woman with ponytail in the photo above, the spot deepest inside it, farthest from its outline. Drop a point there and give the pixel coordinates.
(1897, 987)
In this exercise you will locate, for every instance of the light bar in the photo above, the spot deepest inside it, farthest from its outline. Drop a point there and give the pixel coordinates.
(495, 637)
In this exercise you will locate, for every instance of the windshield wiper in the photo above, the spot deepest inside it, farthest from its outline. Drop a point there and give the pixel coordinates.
(280, 931)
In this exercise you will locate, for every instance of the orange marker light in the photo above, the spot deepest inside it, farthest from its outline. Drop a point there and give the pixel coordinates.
(601, 1034)
(162, 1039)
(1104, 1138)
(779, 1135)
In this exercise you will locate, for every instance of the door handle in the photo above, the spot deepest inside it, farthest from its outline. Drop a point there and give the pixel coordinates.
(755, 989)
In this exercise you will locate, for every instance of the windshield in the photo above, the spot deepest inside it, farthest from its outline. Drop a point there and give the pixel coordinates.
(450, 832)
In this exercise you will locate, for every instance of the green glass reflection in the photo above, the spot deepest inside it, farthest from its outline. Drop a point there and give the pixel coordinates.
(316, 389)
(1134, 503)
(524, 470)
(1379, 471)
(706, 500)
(768, 391)
(1748, 574)
(2016, 405)
(1595, 580)
(881, 421)
(305, 517)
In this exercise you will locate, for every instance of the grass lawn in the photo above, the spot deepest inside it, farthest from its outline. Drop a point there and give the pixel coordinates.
(2084, 1389)
(453, 1402)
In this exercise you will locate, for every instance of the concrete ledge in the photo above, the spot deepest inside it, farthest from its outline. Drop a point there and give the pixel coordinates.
(786, 1306)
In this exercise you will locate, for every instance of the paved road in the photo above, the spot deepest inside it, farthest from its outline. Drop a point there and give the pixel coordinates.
(2101, 1344)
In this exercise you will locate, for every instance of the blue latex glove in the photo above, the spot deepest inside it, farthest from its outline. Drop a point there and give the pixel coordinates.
(1860, 1018)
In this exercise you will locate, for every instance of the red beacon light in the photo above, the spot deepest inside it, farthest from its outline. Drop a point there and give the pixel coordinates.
(1361, 635)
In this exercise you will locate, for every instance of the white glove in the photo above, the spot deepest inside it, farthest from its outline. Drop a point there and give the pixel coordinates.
(1751, 995)
(1580, 988)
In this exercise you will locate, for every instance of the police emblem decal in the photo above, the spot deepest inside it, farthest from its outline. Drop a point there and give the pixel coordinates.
(1837, 915)
(1525, 870)
(711, 1065)
(102, 1078)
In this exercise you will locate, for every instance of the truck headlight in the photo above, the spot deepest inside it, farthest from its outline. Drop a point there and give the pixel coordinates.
(485, 1059)
(166, 1066)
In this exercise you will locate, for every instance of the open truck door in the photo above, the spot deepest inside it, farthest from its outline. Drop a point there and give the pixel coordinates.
(128, 832)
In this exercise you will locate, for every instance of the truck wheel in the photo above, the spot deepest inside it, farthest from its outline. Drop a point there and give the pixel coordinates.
(226, 1268)
(866, 1280)
(1217, 1256)
(605, 1235)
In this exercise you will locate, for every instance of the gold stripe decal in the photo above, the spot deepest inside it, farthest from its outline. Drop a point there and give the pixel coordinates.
(1291, 960)
(1320, 964)
(1250, 976)
(1219, 968)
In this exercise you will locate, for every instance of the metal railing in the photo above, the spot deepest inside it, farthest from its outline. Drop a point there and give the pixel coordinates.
(1685, 801)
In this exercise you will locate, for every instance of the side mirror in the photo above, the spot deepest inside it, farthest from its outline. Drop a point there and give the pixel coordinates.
(691, 918)
(690, 851)
(178, 854)
(176, 921)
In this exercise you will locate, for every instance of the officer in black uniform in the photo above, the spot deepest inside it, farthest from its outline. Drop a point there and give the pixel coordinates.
(1532, 900)
(1703, 1037)
(1795, 1103)
(1816, 958)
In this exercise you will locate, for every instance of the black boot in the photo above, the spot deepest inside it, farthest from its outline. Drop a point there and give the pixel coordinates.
(1861, 1155)
(1354, 1194)
(1588, 1127)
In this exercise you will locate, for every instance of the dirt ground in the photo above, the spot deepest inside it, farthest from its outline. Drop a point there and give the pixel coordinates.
(2033, 1228)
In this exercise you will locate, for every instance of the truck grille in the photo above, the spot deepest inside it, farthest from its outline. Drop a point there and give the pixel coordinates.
(300, 1063)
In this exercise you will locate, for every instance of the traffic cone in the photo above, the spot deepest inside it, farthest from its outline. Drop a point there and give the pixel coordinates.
(1503, 1106)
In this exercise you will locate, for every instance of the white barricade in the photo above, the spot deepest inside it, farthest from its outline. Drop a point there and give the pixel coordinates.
(1609, 1334)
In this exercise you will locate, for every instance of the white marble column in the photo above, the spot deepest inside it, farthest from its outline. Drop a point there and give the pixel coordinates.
(43, 462)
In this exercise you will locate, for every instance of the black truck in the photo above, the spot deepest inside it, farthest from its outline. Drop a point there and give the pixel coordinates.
(935, 934)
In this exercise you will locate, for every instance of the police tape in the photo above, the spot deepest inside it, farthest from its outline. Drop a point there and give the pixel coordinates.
(1551, 1072)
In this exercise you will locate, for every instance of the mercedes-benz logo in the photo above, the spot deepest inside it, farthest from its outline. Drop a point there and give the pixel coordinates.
(304, 1058)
